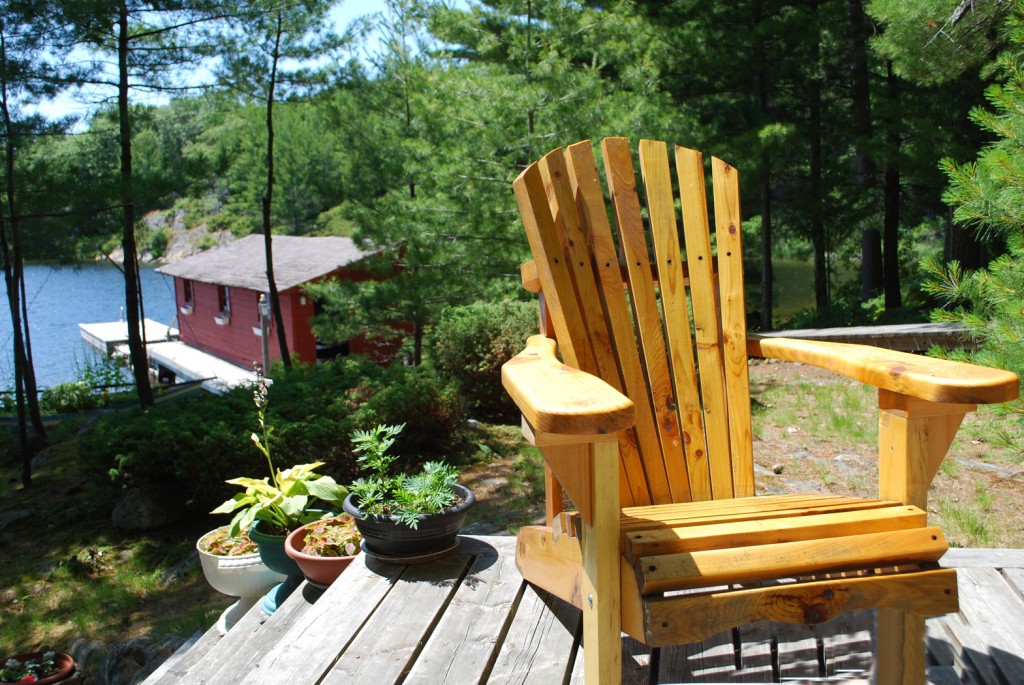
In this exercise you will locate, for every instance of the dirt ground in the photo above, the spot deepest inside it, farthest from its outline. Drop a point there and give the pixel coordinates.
(977, 497)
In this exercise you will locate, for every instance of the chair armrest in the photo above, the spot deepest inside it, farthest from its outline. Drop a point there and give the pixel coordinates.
(558, 399)
(926, 378)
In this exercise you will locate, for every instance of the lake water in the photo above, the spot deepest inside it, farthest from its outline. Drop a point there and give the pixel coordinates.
(60, 298)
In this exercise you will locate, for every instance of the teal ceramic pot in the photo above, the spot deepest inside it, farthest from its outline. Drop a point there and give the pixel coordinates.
(272, 551)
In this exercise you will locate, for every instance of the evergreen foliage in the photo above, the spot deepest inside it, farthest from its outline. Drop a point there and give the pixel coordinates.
(987, 197)
(470, 344)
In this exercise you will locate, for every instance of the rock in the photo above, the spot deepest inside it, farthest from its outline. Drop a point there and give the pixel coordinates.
(777, 469)
(132, 661)
(140, 510)
(88, 656)
(180, 570)
(9, 517)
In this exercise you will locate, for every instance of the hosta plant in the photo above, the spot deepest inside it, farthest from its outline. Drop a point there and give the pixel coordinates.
(287, 499)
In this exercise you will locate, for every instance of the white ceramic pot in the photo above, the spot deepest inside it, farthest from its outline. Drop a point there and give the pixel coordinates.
(244, 576)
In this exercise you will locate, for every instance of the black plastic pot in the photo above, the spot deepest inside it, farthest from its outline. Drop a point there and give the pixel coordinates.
(384, 535)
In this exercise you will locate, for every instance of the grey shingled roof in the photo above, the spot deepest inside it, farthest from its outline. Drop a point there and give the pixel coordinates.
(242, 264)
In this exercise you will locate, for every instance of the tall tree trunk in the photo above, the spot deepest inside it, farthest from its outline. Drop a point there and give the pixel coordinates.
(19, 355)
(962, 245)
(132, 293)
(819, 241)
(767, 270)
(891, 218)
(25, 376)
(870, 239)
(268, 199)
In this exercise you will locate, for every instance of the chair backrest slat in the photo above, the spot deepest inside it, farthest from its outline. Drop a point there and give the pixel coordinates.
(706, 321)
(633, 245)
(642, 440)
(575, 248)
(688, 381)
(672, 283)
(734, 322)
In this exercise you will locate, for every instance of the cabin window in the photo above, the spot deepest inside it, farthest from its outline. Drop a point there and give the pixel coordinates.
(224, 298)
(187, 288)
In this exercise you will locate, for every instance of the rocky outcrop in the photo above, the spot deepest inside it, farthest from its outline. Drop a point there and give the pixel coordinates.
(181, 242)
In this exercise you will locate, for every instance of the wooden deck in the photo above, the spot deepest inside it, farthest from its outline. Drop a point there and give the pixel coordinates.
(907, 337)
(470, 618)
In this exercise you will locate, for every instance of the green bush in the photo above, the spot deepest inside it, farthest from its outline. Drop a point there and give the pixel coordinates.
(191, 446)
(471, 343)
(158, 242)
(68, 397)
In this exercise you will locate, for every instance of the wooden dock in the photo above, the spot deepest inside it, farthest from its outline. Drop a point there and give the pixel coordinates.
(107, 337)
(470, 618)
(907, 337)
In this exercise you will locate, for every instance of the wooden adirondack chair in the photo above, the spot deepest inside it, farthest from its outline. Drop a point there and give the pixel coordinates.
(644, 420)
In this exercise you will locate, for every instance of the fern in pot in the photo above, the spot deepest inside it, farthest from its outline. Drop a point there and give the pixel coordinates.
(404, 515)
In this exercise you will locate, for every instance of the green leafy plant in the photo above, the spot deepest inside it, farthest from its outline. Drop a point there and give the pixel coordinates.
(403, 496)
(284, 501)
(334, 537)
(69, 397)
(14, 671)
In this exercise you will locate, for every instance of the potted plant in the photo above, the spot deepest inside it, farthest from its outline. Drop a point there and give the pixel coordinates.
(36, 667)
(232, 566)
(324, 548)
(404, 515)
(270, 508)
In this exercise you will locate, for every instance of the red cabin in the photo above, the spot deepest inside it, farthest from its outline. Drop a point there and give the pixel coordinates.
(218, 292)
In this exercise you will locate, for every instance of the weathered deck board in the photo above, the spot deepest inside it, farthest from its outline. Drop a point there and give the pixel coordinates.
(540, 642)
(464, 645)
(470, 618)
(388, 643)
(308, 647)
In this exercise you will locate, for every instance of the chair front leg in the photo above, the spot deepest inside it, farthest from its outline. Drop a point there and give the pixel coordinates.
(914, 436)
(602, 617)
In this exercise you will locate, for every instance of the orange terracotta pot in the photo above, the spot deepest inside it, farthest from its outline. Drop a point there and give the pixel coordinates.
(319, 570)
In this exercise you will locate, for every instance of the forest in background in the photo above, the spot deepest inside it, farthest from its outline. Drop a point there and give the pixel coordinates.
(850, 120)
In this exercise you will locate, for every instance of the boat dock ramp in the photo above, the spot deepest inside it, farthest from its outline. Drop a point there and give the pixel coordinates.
(171, 358)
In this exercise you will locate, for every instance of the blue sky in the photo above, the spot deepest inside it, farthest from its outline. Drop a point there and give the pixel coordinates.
(82, 104)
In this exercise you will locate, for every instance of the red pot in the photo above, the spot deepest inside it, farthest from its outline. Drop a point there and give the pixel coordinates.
(62, 661)
(319, 570)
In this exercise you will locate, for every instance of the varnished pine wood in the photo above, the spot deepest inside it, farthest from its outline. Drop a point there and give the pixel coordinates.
(590, 200)
(633, 246)
(672, 288)
(706, 321)
(936, 380)
(540, 232)
(728, 224)
(765, 562)
(741, 509)
(559, 399)
(554, 564)
(602, 612)
(728, 541)
(687, 618)
(711, 536)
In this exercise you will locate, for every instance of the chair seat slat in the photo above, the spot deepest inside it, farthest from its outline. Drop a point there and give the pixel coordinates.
(668, 572)
(642, 518)
(764, 530)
